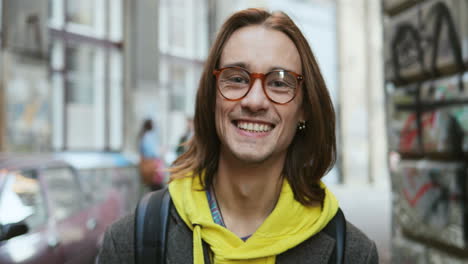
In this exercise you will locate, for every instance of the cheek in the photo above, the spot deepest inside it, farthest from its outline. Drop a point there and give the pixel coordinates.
(220, 116)
(218, 119)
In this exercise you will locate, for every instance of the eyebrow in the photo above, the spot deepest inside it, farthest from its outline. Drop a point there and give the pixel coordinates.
(235, 64)
(246, 66)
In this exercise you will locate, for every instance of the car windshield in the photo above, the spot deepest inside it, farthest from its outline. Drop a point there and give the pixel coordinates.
(18, 198)
(11, 202)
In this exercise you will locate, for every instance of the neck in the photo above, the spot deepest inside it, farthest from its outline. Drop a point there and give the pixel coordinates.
(247, 193)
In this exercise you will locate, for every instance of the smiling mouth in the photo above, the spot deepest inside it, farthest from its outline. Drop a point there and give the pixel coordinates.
(253, 126)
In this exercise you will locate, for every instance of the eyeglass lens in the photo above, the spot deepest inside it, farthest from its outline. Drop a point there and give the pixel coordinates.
(280, 86)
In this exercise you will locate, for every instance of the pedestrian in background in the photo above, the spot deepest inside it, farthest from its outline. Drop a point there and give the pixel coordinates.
(249, 189)
(183, 141)
(151, 166)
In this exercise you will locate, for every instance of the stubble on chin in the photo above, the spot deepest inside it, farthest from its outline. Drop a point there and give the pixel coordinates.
(247, 157)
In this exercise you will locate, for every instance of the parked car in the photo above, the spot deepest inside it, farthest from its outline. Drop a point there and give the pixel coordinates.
(104, 170)
(46, 216)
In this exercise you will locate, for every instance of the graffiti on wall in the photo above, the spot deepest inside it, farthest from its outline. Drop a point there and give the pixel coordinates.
(427, 88)
(432, 119)
(432, 199)
(425, 42)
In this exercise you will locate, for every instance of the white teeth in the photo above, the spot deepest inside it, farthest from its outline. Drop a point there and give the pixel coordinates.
(254, 127)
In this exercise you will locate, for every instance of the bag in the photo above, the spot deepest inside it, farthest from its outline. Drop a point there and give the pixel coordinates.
(152, 214)
(151, 171)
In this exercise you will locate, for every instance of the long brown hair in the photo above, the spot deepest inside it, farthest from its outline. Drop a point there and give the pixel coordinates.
(312, 152)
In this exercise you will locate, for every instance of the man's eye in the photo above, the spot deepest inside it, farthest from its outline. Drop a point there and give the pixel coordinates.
(238, 79)
(278, 84)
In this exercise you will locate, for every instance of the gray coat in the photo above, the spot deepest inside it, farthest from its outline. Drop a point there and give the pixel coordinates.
(118, 245)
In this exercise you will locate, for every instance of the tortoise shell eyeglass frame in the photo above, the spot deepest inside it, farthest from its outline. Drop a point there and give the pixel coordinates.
(262, 77)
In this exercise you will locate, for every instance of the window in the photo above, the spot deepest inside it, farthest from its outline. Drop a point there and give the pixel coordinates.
(87, 74)
(78, 12)
(115, 16)
(85, 71)
(115, 96)
(56, 14)
(63, 192)
(96, 183)
(84, 96)
(22, 200)
(86, 17)
(178, 94)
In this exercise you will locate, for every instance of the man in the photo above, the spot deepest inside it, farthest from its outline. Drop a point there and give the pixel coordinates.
(249, 184)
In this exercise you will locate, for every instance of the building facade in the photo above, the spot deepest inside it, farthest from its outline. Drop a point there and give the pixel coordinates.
(86, 42)
(25, 85)
(62, 75)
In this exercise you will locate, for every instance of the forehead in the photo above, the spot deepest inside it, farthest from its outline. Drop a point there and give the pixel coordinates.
(261, 49)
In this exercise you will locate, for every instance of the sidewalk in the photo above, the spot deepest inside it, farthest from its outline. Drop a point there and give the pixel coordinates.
(368, 207)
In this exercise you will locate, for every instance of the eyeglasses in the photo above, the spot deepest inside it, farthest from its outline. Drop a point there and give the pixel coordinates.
(279, 86)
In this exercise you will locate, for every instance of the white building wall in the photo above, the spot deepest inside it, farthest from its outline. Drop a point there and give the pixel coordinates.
(378, 167)
(354, 103)
(363, 149)
(183, 40)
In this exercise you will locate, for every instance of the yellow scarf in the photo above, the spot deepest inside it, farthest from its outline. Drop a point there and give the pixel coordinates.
(288, 225)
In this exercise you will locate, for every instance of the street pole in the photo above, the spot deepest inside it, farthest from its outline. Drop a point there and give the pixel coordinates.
(211, 21)
(2, 109)
(4, 28)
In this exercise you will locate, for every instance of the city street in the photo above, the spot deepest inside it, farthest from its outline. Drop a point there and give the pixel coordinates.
(368, 208)
(97, 96)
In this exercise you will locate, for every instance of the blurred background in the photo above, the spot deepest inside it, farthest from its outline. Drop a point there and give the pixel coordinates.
(78, 79)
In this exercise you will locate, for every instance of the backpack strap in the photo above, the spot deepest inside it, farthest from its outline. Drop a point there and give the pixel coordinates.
(151, 217)
(337, 228)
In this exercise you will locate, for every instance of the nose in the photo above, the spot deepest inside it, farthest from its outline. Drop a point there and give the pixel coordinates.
(256, 99)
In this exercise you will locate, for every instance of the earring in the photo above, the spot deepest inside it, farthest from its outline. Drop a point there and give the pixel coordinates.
(301, 125)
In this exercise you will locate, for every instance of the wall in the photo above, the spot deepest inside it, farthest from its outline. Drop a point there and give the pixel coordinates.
(361, 113)
(183, 47)
(25, 83)
(426, 54)
(2, 73)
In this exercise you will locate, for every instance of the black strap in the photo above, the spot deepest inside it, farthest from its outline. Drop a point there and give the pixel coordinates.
(152, 214)
(337, 228)
(151, 217)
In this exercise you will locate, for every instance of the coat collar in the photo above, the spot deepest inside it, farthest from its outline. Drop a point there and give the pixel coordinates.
(317, 250)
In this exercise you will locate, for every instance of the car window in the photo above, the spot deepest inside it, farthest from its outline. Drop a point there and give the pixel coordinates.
(91, 181)
(63, 191)
(22, 200)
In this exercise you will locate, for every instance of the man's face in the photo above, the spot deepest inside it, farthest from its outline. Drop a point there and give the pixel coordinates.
(254, 129)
